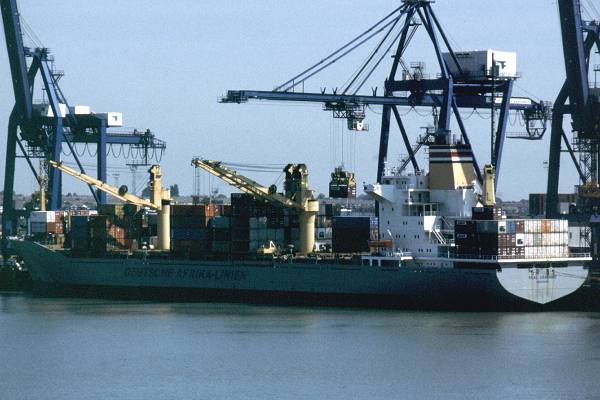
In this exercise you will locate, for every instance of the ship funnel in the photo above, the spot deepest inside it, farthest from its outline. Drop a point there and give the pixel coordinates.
(451, 166)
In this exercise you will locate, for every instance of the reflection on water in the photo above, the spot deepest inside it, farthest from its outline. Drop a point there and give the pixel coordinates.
(93, 349)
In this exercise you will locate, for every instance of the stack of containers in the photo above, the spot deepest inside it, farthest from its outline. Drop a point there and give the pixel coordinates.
(276, 223)
(84, 213)
(291, 228)
(190, 229)
(254, 223)
(220, 234)
(98, 234)
(124, 225)
(264, 230)
(512, 239)
(149, 227)
(545, 238)
(45, 223)
(324, 223)
(80, 234)
(488, 213)
(351, 234)
(242, 207)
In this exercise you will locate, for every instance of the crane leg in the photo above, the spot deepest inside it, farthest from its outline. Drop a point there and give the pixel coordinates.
(8, 217)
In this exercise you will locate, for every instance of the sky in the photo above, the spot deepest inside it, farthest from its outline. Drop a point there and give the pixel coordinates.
(165, 65)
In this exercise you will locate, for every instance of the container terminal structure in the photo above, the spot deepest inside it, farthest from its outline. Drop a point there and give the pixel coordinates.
(42, 130)
(441, 242)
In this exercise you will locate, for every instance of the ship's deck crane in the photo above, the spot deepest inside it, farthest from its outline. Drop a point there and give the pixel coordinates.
(579, 38)
(297, 195)
(452, 90)
(41, 130)
(160, 198)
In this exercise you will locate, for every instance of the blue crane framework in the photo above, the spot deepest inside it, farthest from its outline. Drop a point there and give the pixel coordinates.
(447, 93)
(43, 135)
(579, 39)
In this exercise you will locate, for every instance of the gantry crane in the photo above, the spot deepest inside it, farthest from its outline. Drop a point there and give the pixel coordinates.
(297, 195)
(579, 38)
(41, 130)
(454, 88)
(160, 198)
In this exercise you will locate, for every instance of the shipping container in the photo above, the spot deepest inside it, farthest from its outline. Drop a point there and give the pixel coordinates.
(351, 234)
(220, 235)
(189, 234)
(483, 64)
(221, 222)
(221, 247)
(42, 216)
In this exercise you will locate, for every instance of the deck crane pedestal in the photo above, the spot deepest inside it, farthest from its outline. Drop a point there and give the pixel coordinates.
(297, 196)
(160, 198)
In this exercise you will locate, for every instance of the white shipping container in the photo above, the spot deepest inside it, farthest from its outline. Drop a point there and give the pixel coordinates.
(565, 239)
(502, 227)
(564, 225)
(80, 110)
(528, 252)
(480, 63)
(46, 111)
(43, 216)
(577, 236)
(563, 251)
(521, 241)
(112, 118)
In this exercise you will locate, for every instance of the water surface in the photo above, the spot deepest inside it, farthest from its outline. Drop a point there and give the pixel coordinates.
(92, 349)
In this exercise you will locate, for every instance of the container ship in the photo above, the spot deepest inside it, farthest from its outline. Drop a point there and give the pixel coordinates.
(439, 242)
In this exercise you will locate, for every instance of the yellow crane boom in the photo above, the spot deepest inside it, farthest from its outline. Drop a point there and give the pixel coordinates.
(243, 183)
(297, 197)
(105, 187)
(160, 201)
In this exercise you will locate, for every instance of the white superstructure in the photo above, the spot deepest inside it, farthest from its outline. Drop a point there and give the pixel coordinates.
(418, 212)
